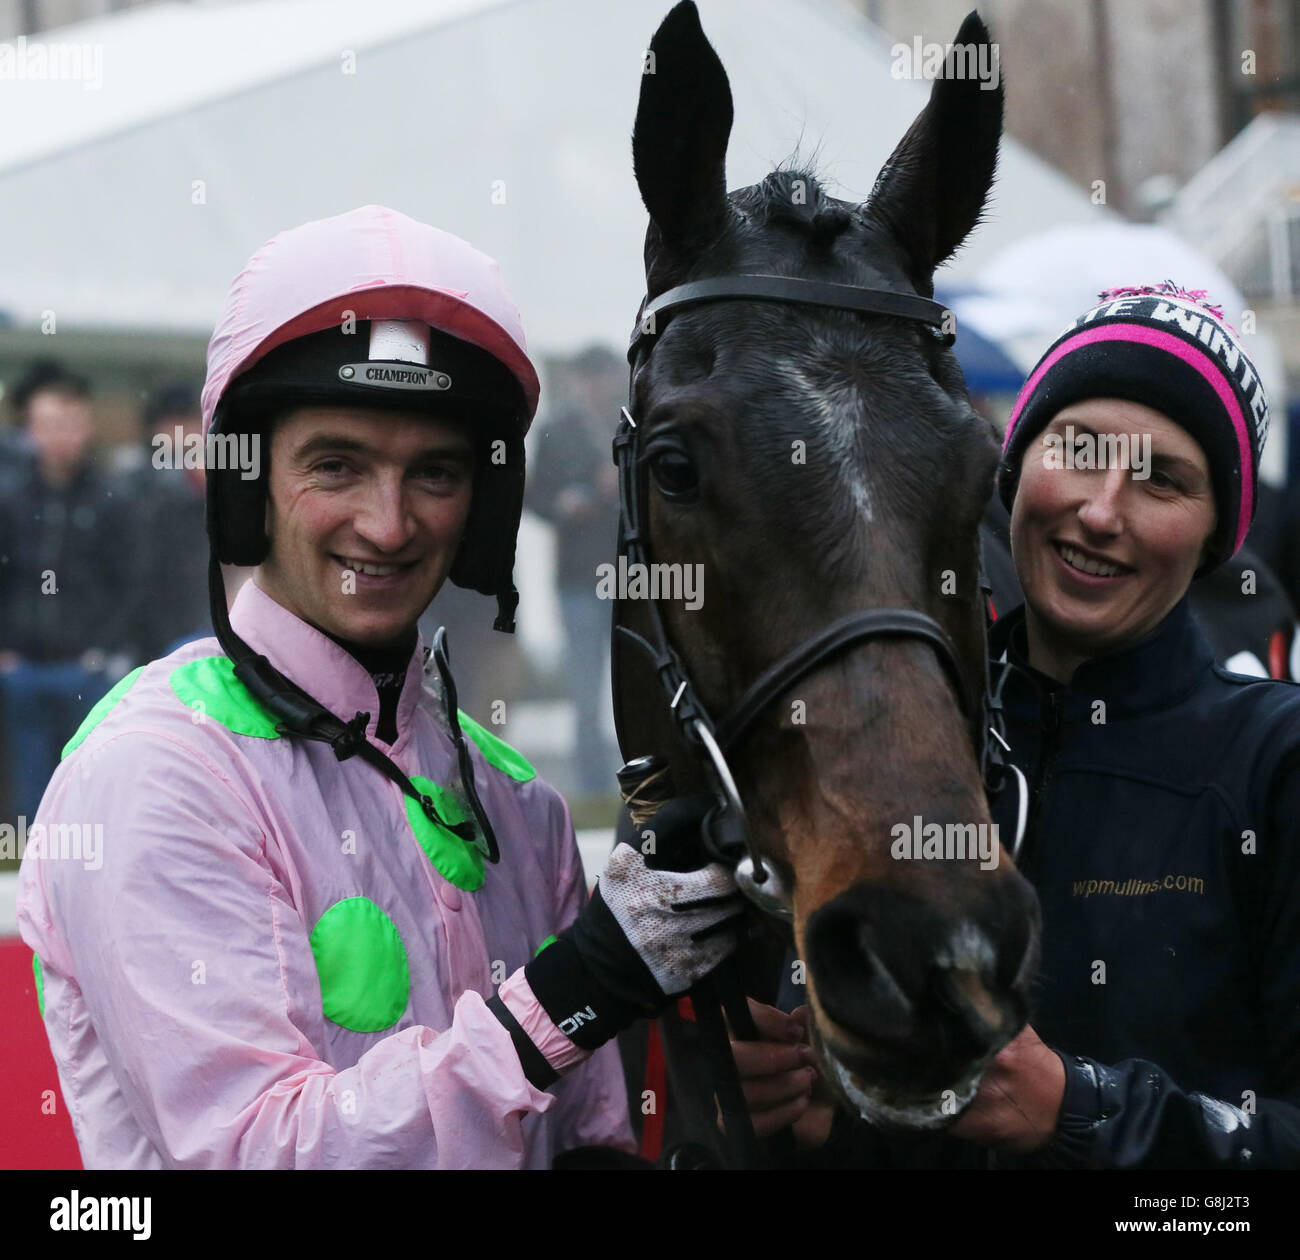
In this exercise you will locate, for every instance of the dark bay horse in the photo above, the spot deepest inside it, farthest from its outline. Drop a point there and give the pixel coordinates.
(813, 463)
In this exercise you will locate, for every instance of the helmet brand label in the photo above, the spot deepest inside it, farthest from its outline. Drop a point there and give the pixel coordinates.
(394, 376)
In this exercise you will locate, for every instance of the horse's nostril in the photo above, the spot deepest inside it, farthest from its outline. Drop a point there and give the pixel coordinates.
(981, 1022)
(886, 993)
(926, 993)
(855, 986)
(965, 984)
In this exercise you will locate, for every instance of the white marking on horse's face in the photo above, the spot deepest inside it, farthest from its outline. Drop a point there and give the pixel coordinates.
(839, 413)
(968, 950)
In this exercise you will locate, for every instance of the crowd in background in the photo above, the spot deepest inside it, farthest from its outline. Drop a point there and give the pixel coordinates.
(573, 485)
(100, 570)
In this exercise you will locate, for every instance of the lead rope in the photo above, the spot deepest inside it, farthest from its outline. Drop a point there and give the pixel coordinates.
(722, 992)
(716, 1000)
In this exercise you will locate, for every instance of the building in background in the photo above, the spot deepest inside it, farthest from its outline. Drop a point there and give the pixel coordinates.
(1182, 112)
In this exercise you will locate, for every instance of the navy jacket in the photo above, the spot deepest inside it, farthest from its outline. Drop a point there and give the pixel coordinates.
(1164, 843)
(79, 537)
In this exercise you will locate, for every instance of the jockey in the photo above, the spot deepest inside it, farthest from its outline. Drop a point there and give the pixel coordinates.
(311, 918)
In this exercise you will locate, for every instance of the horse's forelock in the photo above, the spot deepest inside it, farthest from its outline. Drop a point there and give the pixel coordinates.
(794, 197)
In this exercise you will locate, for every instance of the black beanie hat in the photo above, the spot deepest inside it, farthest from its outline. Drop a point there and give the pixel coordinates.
(1169, 349)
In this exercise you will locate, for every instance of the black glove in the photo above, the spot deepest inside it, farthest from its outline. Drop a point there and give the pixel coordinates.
(662, 917)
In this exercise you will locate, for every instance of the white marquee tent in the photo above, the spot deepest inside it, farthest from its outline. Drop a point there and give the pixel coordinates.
(131, 196)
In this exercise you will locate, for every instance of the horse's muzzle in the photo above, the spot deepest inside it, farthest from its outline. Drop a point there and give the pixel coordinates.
(912, 1004)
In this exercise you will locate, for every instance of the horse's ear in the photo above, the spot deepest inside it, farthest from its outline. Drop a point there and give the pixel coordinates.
(679, 142)
(931, 192)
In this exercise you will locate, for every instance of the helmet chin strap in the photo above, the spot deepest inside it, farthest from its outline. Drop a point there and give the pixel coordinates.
(507, 603)
(298, 714)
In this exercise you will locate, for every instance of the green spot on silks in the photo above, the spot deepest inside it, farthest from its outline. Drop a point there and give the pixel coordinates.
(550, 940)
(39, 972)
(496, 752)
(209, 687)
(457, 861)
(100, 711)
(365, 979)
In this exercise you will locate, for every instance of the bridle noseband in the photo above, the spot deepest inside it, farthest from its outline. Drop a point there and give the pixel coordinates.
(726, 833)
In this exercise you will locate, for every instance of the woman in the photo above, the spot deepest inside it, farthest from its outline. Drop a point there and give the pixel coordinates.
(1164, 824)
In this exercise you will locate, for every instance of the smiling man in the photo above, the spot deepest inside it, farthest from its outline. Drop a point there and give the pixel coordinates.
(337, 924)
(366, 511)
(324, 461)
(358, 551)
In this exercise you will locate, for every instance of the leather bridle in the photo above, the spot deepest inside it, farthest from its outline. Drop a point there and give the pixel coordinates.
(726, 833)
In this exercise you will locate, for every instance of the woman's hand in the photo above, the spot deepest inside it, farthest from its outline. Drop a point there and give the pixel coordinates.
(781, 1086)
(1019, 1098)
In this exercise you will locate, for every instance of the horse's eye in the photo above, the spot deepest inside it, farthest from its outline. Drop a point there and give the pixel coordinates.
(675, 474)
